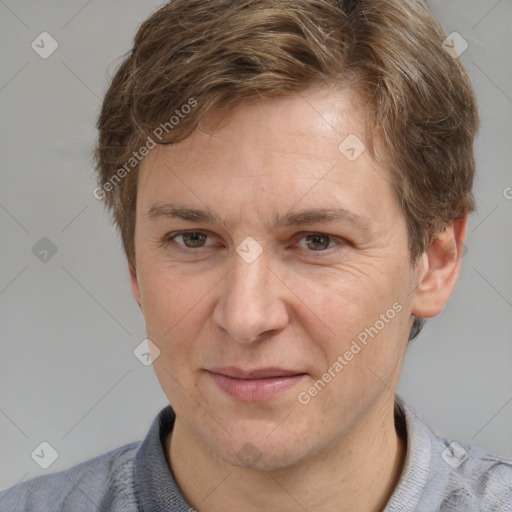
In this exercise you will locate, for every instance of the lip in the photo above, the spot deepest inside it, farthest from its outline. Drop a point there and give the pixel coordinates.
(254, 385)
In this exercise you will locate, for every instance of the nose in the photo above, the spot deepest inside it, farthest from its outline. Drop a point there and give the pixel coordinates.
(251, 303)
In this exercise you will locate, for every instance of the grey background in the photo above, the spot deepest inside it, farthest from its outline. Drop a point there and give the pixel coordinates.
(69, 326)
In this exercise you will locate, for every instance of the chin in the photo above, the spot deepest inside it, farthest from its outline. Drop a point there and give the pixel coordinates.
(261, 458)
(265, 449)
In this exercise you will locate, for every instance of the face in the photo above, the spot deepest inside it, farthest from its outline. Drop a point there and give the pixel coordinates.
(273, 274)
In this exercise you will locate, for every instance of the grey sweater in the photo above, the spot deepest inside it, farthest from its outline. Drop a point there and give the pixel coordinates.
(438, 476)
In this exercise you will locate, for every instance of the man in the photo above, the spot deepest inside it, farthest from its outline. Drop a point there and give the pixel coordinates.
(292, 182)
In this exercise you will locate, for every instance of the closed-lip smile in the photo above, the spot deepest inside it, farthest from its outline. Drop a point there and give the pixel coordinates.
(254, 385)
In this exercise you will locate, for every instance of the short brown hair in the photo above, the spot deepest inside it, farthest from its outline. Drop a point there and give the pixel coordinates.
(419, 100)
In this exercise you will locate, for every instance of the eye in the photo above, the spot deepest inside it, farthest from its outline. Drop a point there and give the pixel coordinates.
(317, 242)
(189, 239)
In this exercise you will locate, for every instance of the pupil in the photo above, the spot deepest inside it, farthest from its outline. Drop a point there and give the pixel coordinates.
(194, 239)
(317, 242)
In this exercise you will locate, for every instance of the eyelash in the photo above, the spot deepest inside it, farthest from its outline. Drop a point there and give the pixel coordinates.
(169, 238)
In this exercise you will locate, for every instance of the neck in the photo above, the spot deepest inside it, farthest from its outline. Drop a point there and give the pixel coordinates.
(358, 472)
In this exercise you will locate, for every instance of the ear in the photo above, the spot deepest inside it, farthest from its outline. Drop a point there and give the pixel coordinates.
(135, 285)
(439, 270)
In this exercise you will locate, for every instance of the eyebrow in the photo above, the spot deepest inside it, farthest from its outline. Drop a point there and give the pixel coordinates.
(302, 217)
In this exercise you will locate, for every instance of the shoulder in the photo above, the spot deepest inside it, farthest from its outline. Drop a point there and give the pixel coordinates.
(447, 476)
(92, 485)
(474, 476)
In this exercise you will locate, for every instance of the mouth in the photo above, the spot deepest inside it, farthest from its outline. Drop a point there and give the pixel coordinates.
(254, 385)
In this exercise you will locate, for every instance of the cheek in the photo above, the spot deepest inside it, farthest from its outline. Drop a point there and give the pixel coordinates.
(170, 295)
(364, 316)
(361, 359)
(346, 299)
(174, 313)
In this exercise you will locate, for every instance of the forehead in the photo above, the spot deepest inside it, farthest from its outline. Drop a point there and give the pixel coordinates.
(276, 153)
(296, 126)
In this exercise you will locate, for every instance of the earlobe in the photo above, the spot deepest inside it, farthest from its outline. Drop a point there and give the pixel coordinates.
(135, 285)
(439, 270)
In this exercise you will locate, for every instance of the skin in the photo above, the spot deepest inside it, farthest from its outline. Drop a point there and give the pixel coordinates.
(294, 307)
